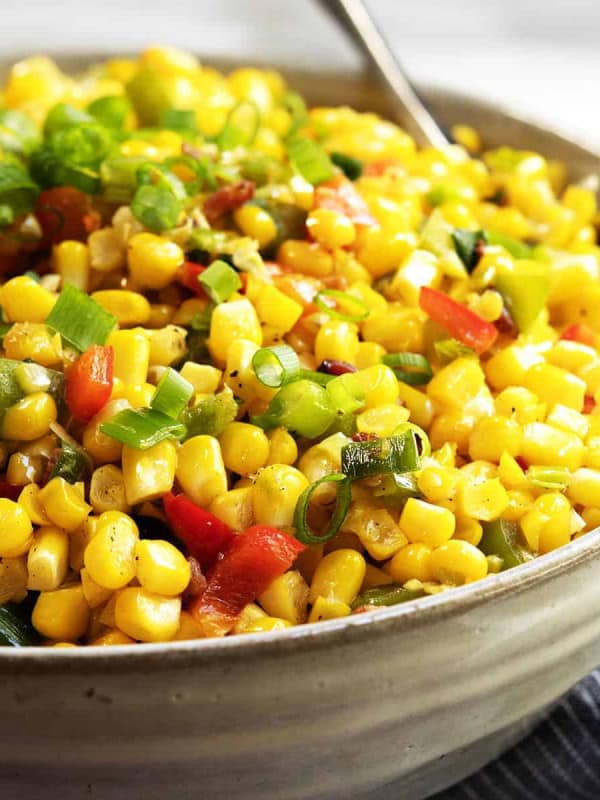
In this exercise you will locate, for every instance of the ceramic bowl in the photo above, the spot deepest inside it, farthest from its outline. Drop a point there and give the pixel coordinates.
(397, 703)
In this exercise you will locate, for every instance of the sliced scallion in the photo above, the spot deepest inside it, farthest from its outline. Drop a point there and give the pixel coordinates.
(79, 319)
(241, 126)
(64, 115)
(556, 478)
(423, 443)
(179, 119)
(342, 504)
(16, 629)
(296, 106)
(355, 311)
(302, 406)
(310, 160)
(380, 456)
(468, 246)
(142, 428)
(156, 207)
(514, 246)
(450, 349)
(18, 133)
(411, 368)
(172, 394)
(220, 281)
(277, 365)
(111, 111)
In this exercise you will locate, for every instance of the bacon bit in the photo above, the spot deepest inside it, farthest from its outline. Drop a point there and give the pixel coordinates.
(505, 323)
(227, 198)
(580, 333)
(589, 404)
(340, 194)
(364, 437)
(197, 584)
(335, 367)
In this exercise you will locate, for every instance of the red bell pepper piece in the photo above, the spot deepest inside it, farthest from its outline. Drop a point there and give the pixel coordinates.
(65, 213)
(580, 333)
(204, 535)
(90, 382)
(340, 194)
(188, 274)
(460, 322)
(227, 198)
(589, 404)
(253, 561)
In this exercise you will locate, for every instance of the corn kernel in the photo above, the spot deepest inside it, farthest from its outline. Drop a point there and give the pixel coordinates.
(275, 494)
(484, 501)
(426, 523)
(245, 447)
(24, 300)
(63, 504)
(382, 420)
(324, 608)
(200, 469)
(287, 598)
(130, 308)
(150, 473)
(106, 250)
(29, 418)
(457, 383)
(338, 576)
(411, 562)
(48, 559)
(457, 562)
(161, 568)
(376, 530)
(282, 447)
(29, 500)
(230, 322)
(153, 260)
(380, 385)
(29, 340)
(250, 614)
(98, 445)
(71, 260)
(257, 223)
(234, 508)
(276, 309)
(336, 340)
(545, 445)
(112, 638)
(13, 579)
(468, 530)
(146, 616)
(584, 487)
(555, 385)
(110, 555)
(95, 594)
(492, 436)
(62, 614)
(131, 355)
(520, 404)
(331, 229)
(204, 378)
(508, 367)
(305, 257)
(107, 490)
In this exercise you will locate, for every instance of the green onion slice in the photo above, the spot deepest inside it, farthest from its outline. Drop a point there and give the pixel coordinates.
(111, 111)
(241, 126)
(351, 167)
(178, 119)
(355, 311)
(514, 246)
(411, 368)
(64, 115)
(556, 478)
(389, 595)
(294, 103)
(142, 428)
(220, 281)
(311, 161)
(156, 208)
(342, 504)
(423, 443)
(172, 394)
(277, 365)
(380, 456)
(16, 629)
(301, 406)
(79, 319)
(450, 349)
(18, 133)
(322, 378)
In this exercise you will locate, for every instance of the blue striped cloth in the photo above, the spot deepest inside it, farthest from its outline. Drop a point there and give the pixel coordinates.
(560, 760)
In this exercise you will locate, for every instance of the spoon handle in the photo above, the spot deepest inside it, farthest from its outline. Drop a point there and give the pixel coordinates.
(356, 21)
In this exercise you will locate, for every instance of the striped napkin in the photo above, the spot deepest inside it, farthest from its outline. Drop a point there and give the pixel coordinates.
(560, 760)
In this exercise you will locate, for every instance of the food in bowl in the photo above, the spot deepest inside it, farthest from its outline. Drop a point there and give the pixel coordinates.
(264, 365)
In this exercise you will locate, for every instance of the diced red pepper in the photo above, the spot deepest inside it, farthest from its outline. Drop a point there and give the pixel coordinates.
(580, 333)
(227, 198)
(589, 404)
(460, 322)
(90, 382)
(340, 194)
(188, 274)
(253, 561)
(65, 213)
(204, 535)
(377, 168)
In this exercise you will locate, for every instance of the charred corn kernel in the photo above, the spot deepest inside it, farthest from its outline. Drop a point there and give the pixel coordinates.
(584, 487)
(439, 484)
(275, 494)
(376, 529)
(257, 223)
(106, 250)
(331, 229)
(161, 568)
(203, 377)
(426, 523)
(64, 504)
(324, 608)
(48, 559)
(468, 530)
(381, 250)
(13, 579)
(107, 490)
(338, 576)
(483, 501)
(112, 638)
(336, 340)
(276, 309)
(382, 420)
(167, 345)
(79, 540)
(572, 356)
(189, 628)
(250, 614)
(412, 561)
(24, 300)
(231, 322)
(131, 355)
(567, 419)
(380, 385)
(457, 562)
(555, 385)
(419, 269)
(549, 446)
(98, 445)
(282, 447)
(130, 308)
(493, 436)
(245, 447)
(287, 598)
(146, 616)
(110, 555)
(95, 594)
(29, 500)
(520, 404)
(200, 469)
(34, 341)
(456, 383)
(307, 257)
(234, 508)
(71, 260)
(29, 418)
(368, 354)
(150, 473)
(62, 614)
(153, 260)
(509, 366)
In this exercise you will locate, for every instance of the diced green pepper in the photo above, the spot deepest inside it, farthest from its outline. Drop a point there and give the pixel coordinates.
(504, 538)
(389, 595)
(525, 292)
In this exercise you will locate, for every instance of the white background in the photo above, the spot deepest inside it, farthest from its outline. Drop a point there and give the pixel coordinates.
(540, 57)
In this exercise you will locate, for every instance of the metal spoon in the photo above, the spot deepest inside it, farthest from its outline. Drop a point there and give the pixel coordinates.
(356, 21)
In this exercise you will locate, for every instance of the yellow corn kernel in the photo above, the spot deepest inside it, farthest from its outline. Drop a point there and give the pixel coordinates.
(376, 529)
(457, 383)
(545, 445)
(204, 378)
(509, 366)
(457, 562)
(234, 508)
(13, 579)
(420, 269)
(282, 447)
(520, 502)
(381, 250)
(63, 504)
(572, 356)
(29, 418)
(426, 523)
(79, 540)
(286, 598)
(275, 494)
(467, 137)
(167, 345)
(484, 501)
(250, 613)
(439, 484)
(590, 374)
(48, 559)
(146, 616)
(130, 308)
(336, 340)
(477, 471)
(510, 472)
(110, 555)
(380, 385)
(95, 594)
(62, 614)
(493, 436)
(411, 562)
(150, 473)
(338, 576)
(276, 309)
(305, 257)
(331, 229)
(584, 487)
(153, 260)
(582, 202)
(161, 314)
(555, 385)
(255, 222)
(161, 568)
(445, 456)
(22, 469)
(111, 638)
(107, 490)
(29, 500)
(189, 628)
(382, 420)
(556, 531)
(186, 311)
(71, 260)
(106, 613)
(265, 624)
(200, 469)
(245, 447)
(106, 250)
(468, 530)
(520, 404)
(368, 354)
(137, 395)
(29, 340)
(418, 404)
(375, 577)
(98, 445)
(567, 419)
(25, 300)
(324, 608)
(132, 355)
(398, 328)
(591, 517)
(231, 322)
(239, 374)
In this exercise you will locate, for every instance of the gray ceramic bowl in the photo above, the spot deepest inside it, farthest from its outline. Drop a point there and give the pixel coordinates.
(396, 704)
